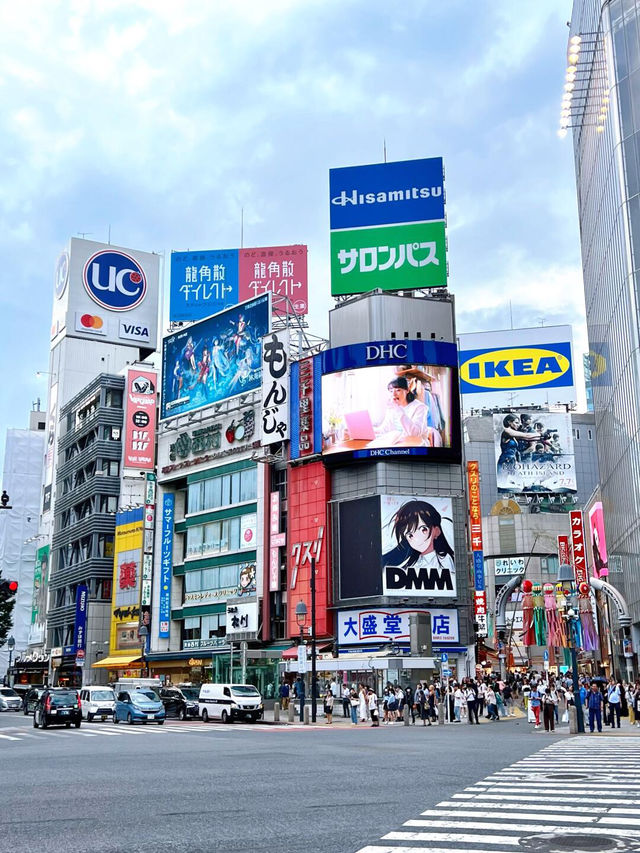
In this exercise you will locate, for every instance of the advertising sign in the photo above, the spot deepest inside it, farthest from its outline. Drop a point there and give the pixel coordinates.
(127, 577)
(564, 551)
(39, 600)
(418, 557)
(140, 419)
(274, 413)
(391, 398)
(516, 367)
(388, 226)
(214, 359)
(80, 627)
(475, 532)
(274, 532)
(206, 282)
(49, 453)
(357, 627)
(578, 547)
(110, 293)
(534, 452)
(305, 418)
(242, 618)
(166, 563)
(600, 567)
(508, 566)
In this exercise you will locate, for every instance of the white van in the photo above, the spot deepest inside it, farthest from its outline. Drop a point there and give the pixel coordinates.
(97, 702)
(228, 702)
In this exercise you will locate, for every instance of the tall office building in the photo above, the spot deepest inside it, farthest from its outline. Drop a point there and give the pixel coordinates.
(602, 106)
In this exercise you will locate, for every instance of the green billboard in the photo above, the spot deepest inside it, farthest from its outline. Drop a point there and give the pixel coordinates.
(406, 256)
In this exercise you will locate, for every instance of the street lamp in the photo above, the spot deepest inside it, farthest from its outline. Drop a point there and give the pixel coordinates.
(11, 644)
(143, 633)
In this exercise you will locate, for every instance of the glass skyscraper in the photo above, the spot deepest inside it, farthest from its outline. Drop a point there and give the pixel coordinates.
(602, 105)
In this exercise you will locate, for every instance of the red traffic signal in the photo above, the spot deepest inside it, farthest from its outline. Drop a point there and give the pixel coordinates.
(13, 587)
(8, 588)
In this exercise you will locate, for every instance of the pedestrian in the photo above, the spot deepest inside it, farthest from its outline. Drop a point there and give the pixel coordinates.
(458, 701)
(400, 700)
(432, 702)
(550, 701)
(482, 689)
(499, 701)
(372, 701)
(300, 694)
(392, 705)
(636, 703)
(354, 701)
(507, 695)
(613, 697)
(410, 702)
(492, 708)
(472, 705)
(346, 701)
(594, 704)
(535, 698)
(284, 695)
(420, 700)
(363, 708)
(328, 706)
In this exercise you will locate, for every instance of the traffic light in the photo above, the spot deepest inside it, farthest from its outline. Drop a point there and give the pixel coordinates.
(8, 589)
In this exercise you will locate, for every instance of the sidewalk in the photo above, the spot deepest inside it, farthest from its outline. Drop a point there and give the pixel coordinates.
(340, 721)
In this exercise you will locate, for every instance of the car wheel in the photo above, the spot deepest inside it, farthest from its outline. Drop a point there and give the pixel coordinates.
(183, 714)
(255, 718)
(130, 719)
(89, 717)
(67, 725)
(77, 725)
(160, 722)
(35, 722)
(224, 717)
(115, 719)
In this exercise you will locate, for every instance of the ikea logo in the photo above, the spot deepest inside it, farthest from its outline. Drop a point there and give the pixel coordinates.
(513, 368)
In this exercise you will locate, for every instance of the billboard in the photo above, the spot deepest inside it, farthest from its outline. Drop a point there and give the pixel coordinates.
(387, 226)
(107, 293)
(534, 452)
(39, 596)
(305, 419)
(477, 547)
(140, 419)
(534, 361)
(214, 359)
(598, 540)
(206, 282)
(127, 572)
(274, 411)
(397, 546)
(418, 557)
(388, 398)
(166, 563)
(386, 624)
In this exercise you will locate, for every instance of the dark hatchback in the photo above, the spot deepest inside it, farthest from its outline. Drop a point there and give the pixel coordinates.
(181, 702)
(57, 706)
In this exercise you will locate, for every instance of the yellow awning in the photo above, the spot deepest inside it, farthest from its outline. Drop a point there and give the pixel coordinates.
(116, 662)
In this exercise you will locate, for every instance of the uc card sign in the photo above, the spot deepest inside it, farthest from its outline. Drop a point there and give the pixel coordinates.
(513, 368)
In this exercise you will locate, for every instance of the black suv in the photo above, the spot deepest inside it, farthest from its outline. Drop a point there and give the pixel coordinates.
(57, 706)
(180, 702)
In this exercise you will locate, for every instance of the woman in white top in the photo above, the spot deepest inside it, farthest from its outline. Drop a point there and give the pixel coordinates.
(363, 704)
(458, 701)
(406, 416)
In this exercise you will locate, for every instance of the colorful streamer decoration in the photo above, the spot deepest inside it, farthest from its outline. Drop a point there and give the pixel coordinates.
(539, 616)
(528, 630)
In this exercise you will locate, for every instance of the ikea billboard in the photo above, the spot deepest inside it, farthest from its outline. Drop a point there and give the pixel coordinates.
(517, 359)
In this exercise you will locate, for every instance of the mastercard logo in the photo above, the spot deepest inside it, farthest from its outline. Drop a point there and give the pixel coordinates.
(90, 321)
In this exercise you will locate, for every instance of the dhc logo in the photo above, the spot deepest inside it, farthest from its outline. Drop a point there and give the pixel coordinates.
(518, 367)
(114, 280)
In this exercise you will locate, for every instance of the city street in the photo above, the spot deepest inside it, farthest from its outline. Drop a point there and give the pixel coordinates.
(191, 787)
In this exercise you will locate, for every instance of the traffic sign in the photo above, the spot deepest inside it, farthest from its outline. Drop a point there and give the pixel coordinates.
(444, 657)
(447, 673)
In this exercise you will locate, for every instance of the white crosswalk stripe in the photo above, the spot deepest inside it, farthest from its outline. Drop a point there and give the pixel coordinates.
(576, 788)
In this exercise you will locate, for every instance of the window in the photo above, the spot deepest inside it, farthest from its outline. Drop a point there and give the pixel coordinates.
(110, 467)
(113, 398)
(549, 565)
(223, 490)
(191, 628)
(192, 581)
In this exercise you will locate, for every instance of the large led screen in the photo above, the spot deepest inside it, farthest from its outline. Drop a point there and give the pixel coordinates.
(387, 407)
(214, 359)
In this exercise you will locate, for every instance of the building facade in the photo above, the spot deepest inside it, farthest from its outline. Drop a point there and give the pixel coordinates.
(604, 115)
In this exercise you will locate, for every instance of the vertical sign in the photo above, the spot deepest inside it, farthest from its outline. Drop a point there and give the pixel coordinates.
(274, 532)
(80, 629)
(577, 545)
(275, 387)
(166, 563)
(564, 551)
(140, 419)
(147, 555)
(475, 529)
(305, 407)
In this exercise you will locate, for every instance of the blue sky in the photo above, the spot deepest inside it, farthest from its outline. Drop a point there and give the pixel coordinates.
(161, 119)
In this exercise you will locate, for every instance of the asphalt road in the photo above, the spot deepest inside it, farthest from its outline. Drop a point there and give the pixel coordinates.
(187, 787)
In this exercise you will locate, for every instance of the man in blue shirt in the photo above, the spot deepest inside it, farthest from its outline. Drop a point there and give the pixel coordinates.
(594, 704)
(534, 703)
(300, 692)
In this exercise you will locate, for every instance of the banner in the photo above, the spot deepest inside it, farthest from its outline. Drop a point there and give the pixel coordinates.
(140, 419)
(577, 547)
(166, 563)
(274, 414)
(475, 531)
(534, 452)
(600, 568)
(80, 627)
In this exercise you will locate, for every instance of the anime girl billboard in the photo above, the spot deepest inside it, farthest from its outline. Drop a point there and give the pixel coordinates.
(418, 557)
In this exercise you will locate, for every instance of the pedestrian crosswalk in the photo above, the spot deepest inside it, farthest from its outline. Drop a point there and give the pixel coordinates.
(576, 795)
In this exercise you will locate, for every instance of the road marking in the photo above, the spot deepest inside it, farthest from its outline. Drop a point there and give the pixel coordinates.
(9, 737)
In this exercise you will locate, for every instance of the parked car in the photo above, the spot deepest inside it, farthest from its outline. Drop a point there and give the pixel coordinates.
(57, 706)
(31, 699)
(228, 702)
(9, 699)
(97, 702)
(180, 702)
(142, 705)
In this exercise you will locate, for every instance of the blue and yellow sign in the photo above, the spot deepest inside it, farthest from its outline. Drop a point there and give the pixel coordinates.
(513, 368)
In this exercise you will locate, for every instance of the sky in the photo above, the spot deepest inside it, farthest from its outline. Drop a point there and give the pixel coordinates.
(158, 121)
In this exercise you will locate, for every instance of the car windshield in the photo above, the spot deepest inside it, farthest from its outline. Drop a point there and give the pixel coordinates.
(65, 697)
(144, 696)
(191, 693)
(7, 691)
(102, 696)
(244, 690)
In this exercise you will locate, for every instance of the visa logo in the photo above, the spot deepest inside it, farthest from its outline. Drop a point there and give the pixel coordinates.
(133, 331)
(516, 367)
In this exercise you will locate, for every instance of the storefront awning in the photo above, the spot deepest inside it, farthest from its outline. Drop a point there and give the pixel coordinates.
(290, 654)
(116, 662)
